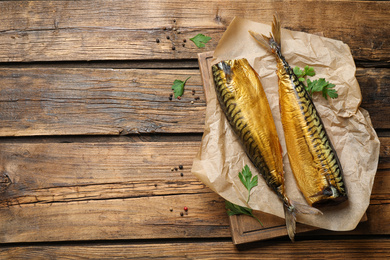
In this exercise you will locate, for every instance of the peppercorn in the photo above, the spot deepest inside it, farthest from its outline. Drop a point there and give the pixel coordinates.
(181, 174)
(181, 214)
(181, 167)
(185, 208)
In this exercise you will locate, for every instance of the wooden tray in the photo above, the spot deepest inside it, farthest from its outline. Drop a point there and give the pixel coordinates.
(245, 229)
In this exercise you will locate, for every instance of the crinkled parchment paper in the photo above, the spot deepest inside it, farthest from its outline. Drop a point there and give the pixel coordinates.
(349, 127)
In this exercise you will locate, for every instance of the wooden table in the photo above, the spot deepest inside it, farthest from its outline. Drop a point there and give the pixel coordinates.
(89, 136)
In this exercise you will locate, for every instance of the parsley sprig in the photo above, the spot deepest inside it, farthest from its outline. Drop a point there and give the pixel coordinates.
(318, 85)
(249, 182)
(178, 87)
(233, 209)
(246, 179)
(200, 40)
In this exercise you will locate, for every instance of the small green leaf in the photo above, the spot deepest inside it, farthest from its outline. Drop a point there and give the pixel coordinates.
(246, 179)
(301, 79)
(200, 40)
(329, 91)
(178, 87)
(309, 71)
(298, 71)
(233, 209)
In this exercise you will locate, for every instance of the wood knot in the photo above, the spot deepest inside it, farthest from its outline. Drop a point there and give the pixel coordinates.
(5, 181)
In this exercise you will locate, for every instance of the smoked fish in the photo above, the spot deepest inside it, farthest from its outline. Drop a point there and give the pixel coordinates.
(243, 100)
(313, 159)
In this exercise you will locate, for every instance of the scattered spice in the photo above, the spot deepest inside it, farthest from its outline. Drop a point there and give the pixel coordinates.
(181, 214)
(176, 169)
(170, 209)
(184, 45)
(158, 40)
(179, 97)
(168, 37)
(197, 98)
(184, 40)
(185, 208)
(192, 102)
(193, 92)
(173, 48)
(155, 185)
(181, 167)
(172, 169)
(181, 174)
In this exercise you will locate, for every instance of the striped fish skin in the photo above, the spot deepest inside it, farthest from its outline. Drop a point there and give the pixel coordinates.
(313, 160)
(243, 100)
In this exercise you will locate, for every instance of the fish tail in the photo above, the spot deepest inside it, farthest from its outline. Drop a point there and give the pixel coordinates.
(291, 208)
(273, 42)
(290, 216)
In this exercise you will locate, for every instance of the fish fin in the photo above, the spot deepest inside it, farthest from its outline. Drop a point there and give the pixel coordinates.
(305, 209)
(289, 214)
(291, 209)
(276, 29)
(272, 43)
(261, 39)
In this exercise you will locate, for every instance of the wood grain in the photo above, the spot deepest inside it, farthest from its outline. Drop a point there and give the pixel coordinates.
(122, 190)
(355, 248)
(96, 101)
(122, 30)
(375, 88)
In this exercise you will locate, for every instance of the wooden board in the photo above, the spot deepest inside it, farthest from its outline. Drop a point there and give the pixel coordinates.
(245, 229)
(122, 30)
(351, 248)
(65, 101)
(123, 188)
(95, 101)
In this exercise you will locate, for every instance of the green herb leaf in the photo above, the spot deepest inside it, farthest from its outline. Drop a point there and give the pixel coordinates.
(321, 85)
(200, 40)
(329, 91)
(178, 87)
(298, 72)
(233, 209)
(318, 85)
(309, 71)
(246, 179)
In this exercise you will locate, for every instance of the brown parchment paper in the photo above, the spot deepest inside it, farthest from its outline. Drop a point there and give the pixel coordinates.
(349, 127)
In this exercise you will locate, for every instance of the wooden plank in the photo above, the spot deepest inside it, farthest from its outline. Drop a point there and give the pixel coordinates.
(356, 248)
(375, 88)
(44, 101)
(103, 219)
(82, 101)
(121, 190)
(96, 171)
(66, 30)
